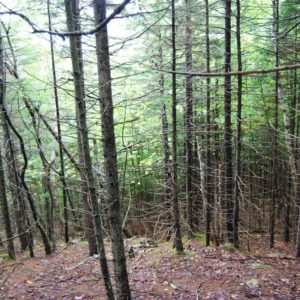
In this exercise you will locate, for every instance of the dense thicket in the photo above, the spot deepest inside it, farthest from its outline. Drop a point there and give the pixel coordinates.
(193, 143)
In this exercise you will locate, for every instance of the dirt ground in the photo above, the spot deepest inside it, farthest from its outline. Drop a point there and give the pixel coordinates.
(158, 273)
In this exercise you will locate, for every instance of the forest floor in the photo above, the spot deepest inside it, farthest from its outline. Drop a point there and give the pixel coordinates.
(158, 273)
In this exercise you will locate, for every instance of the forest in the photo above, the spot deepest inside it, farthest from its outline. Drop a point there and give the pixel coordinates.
(149, 149)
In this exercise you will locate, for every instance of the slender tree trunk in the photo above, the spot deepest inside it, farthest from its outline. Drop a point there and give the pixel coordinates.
(217, 176)
(238, 181)
(227, 126)
(188, 120)
(99, 184)
(36, 217)
(50, 198)
(167, 168)
(73, 24)
(5, 211)
(72, 12)
(3, 197)
(289, 138)
(17, 193)
(110, 154)
(160, 64)
(202, 171)
(61, 153)
(209, 191)
(53, 201)
(176, 214)
(290, 195)
(275, 134)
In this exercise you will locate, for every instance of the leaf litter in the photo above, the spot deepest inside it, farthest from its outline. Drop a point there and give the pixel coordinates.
(157, 273)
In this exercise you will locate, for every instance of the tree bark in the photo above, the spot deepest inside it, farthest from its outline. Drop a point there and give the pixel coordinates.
(36, 217)
(110, 154)
(22, 221)
(227, 126)
(3, 197)
(48, 191)
(73, 23)
(238, 175)
(72, 12)
(176, 214)
(59, 134)
(167, 190)
(5, 212)
(276, 126)
(209, 191)
(188, 121)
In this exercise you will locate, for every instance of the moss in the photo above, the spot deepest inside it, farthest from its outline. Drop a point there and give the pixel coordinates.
(201, 237)
(185, 239)
(245, 251)
(176, 252)
(135, 241)
(4, 257)
(228, 247)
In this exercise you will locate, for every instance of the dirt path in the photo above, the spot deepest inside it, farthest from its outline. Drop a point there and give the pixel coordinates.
(156, 273)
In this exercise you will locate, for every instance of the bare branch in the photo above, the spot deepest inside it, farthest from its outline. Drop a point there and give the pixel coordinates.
(99, 27)
(250, 72)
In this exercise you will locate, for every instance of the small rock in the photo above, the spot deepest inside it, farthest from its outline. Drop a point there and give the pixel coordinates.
(222, 295)
(252, 284)
(256, 266)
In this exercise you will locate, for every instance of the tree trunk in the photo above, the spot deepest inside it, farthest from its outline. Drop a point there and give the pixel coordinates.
(61, 153)
(36, 217)
(110, 154)
(53, 201)
(17, 193)
(188, 120)
(72, 12)
(167, 169)
(5, 211)
(238, 180)
(176, 214)
(209, 190)
(73, 24)
(289, 194)
(50, 197)
(3, 197)
(227, 126)
(275, 134)
(202, 171)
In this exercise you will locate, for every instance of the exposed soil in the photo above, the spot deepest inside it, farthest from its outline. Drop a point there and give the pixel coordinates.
(158, 273)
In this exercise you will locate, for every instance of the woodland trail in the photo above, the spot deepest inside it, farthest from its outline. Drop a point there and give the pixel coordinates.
(158, 273)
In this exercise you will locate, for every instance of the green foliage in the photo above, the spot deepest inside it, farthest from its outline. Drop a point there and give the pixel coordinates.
(228, 247)
(4, 258)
